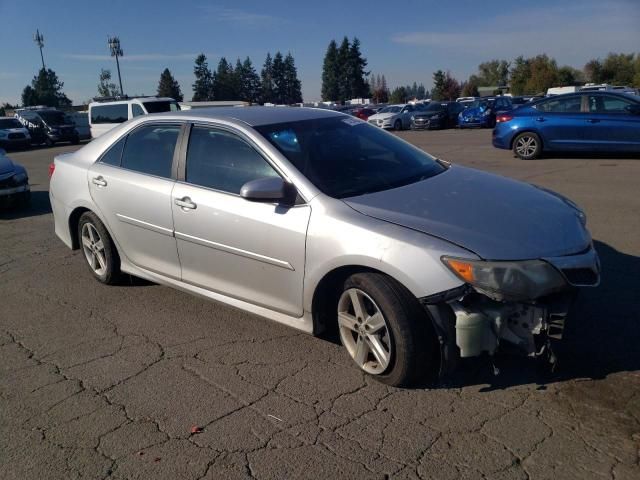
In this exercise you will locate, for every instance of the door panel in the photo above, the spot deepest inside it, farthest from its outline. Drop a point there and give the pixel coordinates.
(561, 123)
(137, 209)
(610, 127)
(131, 184)
(246, 250)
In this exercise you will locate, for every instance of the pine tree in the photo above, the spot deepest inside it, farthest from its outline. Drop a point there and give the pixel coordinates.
(224, 81)
(203, 86)
(168, 86)
(106, 88)
(330, 73)
(293, 87)
(249, 82)
(356, 65)
(279, 87)
(439, 79)
(45, 89)
(266, 75)
(344, 75)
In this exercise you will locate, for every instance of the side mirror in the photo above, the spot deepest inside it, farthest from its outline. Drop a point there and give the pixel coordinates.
(268, 190)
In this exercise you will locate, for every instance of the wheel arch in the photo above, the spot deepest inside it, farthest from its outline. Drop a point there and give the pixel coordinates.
(326, 294)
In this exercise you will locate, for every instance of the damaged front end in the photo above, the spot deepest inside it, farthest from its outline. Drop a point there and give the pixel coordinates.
(520, 305)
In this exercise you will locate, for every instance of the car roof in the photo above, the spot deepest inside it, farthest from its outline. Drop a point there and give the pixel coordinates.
(254, 116)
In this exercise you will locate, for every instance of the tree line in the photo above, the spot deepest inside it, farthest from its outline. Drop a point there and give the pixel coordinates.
(277, 83)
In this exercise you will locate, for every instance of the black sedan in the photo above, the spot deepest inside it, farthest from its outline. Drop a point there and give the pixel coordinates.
(437, 115)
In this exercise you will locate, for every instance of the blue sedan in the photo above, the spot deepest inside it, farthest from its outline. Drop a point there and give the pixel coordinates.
(576, 122)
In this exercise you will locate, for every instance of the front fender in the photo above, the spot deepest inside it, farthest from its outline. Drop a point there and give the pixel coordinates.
(341, 237)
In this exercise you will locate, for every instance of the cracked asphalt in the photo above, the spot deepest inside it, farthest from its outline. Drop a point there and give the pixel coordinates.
(140, 381)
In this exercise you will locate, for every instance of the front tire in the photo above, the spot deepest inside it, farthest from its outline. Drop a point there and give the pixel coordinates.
(397, 125)
(385, 331)
(98, 249)
(527, 146)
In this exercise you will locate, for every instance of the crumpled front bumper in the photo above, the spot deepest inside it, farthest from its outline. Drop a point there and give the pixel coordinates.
(468, 323)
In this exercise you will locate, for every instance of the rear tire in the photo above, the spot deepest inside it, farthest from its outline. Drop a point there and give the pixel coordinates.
(385, 331)
(527, 146)
(98, 249)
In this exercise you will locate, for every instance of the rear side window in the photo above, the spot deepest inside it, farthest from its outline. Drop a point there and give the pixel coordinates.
(114, 154)
(223, 161)
(149, 149)
(561, 105)
(110, 113)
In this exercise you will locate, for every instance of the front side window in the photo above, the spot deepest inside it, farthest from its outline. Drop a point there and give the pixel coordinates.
(608, 104)
(161, 106)
(344, 159)
(149, 149)
(223, 161)
(118, 113)
(136, 110)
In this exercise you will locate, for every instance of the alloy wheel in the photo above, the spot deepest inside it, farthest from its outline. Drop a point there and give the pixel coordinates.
(93, 248)
(364, 331)
(526, 146)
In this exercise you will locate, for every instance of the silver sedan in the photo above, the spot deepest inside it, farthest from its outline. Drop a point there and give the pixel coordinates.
(319, 221)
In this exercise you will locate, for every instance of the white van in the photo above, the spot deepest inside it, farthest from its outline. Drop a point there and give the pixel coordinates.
(104, 114)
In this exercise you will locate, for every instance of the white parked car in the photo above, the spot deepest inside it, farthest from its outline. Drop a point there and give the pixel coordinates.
(397, 117)
(105, 114)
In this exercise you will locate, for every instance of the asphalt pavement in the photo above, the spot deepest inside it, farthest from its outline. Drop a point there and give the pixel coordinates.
(141, 381)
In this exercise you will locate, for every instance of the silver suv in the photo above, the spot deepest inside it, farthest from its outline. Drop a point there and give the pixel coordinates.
(322, 222)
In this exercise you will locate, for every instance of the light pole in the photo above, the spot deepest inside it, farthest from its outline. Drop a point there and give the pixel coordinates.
(39, 39)
(116, 51)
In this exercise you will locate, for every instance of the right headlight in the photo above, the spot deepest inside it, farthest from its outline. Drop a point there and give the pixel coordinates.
(510, 281)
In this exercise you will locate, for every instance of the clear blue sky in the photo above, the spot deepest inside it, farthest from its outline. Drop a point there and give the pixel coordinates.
(406, 40)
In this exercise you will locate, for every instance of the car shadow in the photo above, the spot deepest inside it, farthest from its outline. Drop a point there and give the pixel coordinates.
(39, 205)
(601, 335)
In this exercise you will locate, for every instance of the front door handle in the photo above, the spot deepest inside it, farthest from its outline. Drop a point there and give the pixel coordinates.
(99, 181)
(185, 203)
(540, 119)
(593, 120)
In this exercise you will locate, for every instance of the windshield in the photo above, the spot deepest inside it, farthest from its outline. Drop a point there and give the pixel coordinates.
(10, 123)
(392, 109)
(163, 106)
(344, 157)
(482, 104)
(52, 117)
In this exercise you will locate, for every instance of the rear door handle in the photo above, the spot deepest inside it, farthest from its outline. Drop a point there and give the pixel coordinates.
(185, 203)
(540, 119)
(593, 120)
(99, 181)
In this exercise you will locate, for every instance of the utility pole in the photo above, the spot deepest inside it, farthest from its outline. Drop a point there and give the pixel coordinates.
(116, 51)
(39, 39)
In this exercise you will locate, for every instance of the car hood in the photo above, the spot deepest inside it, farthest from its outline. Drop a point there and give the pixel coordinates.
(382, 116)
(494, 217)
(6, 165)
(433, 113)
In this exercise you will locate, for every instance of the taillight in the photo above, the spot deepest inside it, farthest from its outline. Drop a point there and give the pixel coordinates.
(505, 117)
(52, 168)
